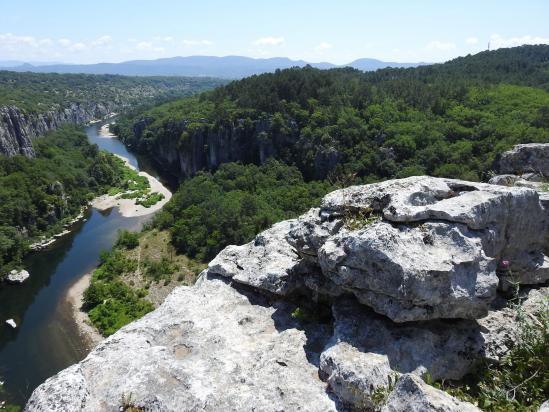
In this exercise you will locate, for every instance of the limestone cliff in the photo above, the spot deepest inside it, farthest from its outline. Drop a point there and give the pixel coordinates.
(17, 128)
(391, 279)
(183, 149)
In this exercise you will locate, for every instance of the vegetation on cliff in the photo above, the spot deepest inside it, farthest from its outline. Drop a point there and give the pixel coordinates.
(135, 277)
(446, 120)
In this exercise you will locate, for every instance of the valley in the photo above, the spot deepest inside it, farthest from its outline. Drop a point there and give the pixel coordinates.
(362, 239)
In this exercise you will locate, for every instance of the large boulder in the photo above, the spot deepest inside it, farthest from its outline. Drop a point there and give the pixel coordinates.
(268, 262)
(408, 273)
(419, 248)
(367, 349)
(17, 276)
(207, 347)
(525, 158)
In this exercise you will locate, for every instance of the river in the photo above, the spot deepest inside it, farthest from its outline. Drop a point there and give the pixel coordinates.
(47, 339)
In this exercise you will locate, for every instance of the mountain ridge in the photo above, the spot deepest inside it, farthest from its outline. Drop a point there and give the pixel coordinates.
(231, 66)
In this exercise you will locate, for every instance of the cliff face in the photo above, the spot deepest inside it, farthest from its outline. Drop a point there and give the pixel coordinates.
(184, 152)
(392, 279)
(17, 129)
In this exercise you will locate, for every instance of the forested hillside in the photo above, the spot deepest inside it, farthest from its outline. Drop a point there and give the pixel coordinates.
(446, 119)
(37, 196)
(32, 104)
(38, 92)
(339, 127)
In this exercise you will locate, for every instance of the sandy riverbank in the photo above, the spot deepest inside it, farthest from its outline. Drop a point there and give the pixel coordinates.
(105, 132)
(127, 207)
(75, 298)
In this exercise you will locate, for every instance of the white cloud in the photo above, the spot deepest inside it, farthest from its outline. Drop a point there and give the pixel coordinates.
(188, 42)
(149, 46)
(497, 41)
(471, 40)
(102, 41)
(10, 40)
(269, 41)
(440, 45)
(64, 42)
(324, 45)
(144, 45)
(78, 47)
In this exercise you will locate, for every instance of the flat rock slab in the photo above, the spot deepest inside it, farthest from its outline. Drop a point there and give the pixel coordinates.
(207, 348)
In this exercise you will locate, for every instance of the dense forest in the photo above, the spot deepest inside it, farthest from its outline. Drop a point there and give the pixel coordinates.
(38, 92)
(337, 127)
(448, 119)
(233, 204)
(37, 196)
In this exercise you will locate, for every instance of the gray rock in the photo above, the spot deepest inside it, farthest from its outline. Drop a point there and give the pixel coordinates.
(411, 394)
(434, 255)
(504, 180)
(17, 276)
(354, 375)
(268, 262)
(407, 273)
(366, 349)
(525, 158)
(12, 323)
(544, 406)
(207, 347)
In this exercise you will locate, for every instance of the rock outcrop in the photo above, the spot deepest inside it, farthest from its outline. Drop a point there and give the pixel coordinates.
(17, 128)
(411, 394)
(209, 347)
(523, 159)
(185, 147)
(17, 276)
(412, 270)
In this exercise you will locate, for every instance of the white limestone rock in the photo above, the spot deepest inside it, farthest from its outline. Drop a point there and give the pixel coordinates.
(17, 276)
(268, 262)
(411, 394)
(410, 273)
(11, 323)
(207, 347)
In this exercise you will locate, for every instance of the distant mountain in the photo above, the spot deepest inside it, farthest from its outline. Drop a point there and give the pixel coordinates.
(15, 63)
(225, 67)
(374, 64)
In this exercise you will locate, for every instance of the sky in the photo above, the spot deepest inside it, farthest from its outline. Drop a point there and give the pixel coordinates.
(338, 31)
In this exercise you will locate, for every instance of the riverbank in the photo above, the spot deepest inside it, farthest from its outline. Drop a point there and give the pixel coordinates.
(75, 299)
(128, 207)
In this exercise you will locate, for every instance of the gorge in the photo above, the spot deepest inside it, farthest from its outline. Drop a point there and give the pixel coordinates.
(362, 242)
(47, 338)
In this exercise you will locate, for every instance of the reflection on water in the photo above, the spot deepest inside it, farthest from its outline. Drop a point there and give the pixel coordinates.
(46, 339)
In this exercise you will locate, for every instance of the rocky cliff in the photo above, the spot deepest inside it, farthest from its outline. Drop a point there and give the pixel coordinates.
(183, 148)
(393, 279)
(17, 128)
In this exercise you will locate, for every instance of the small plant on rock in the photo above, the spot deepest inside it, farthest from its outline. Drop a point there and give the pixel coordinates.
(381, 392)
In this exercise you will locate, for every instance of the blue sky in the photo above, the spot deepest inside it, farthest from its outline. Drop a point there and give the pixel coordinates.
(336, 31)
